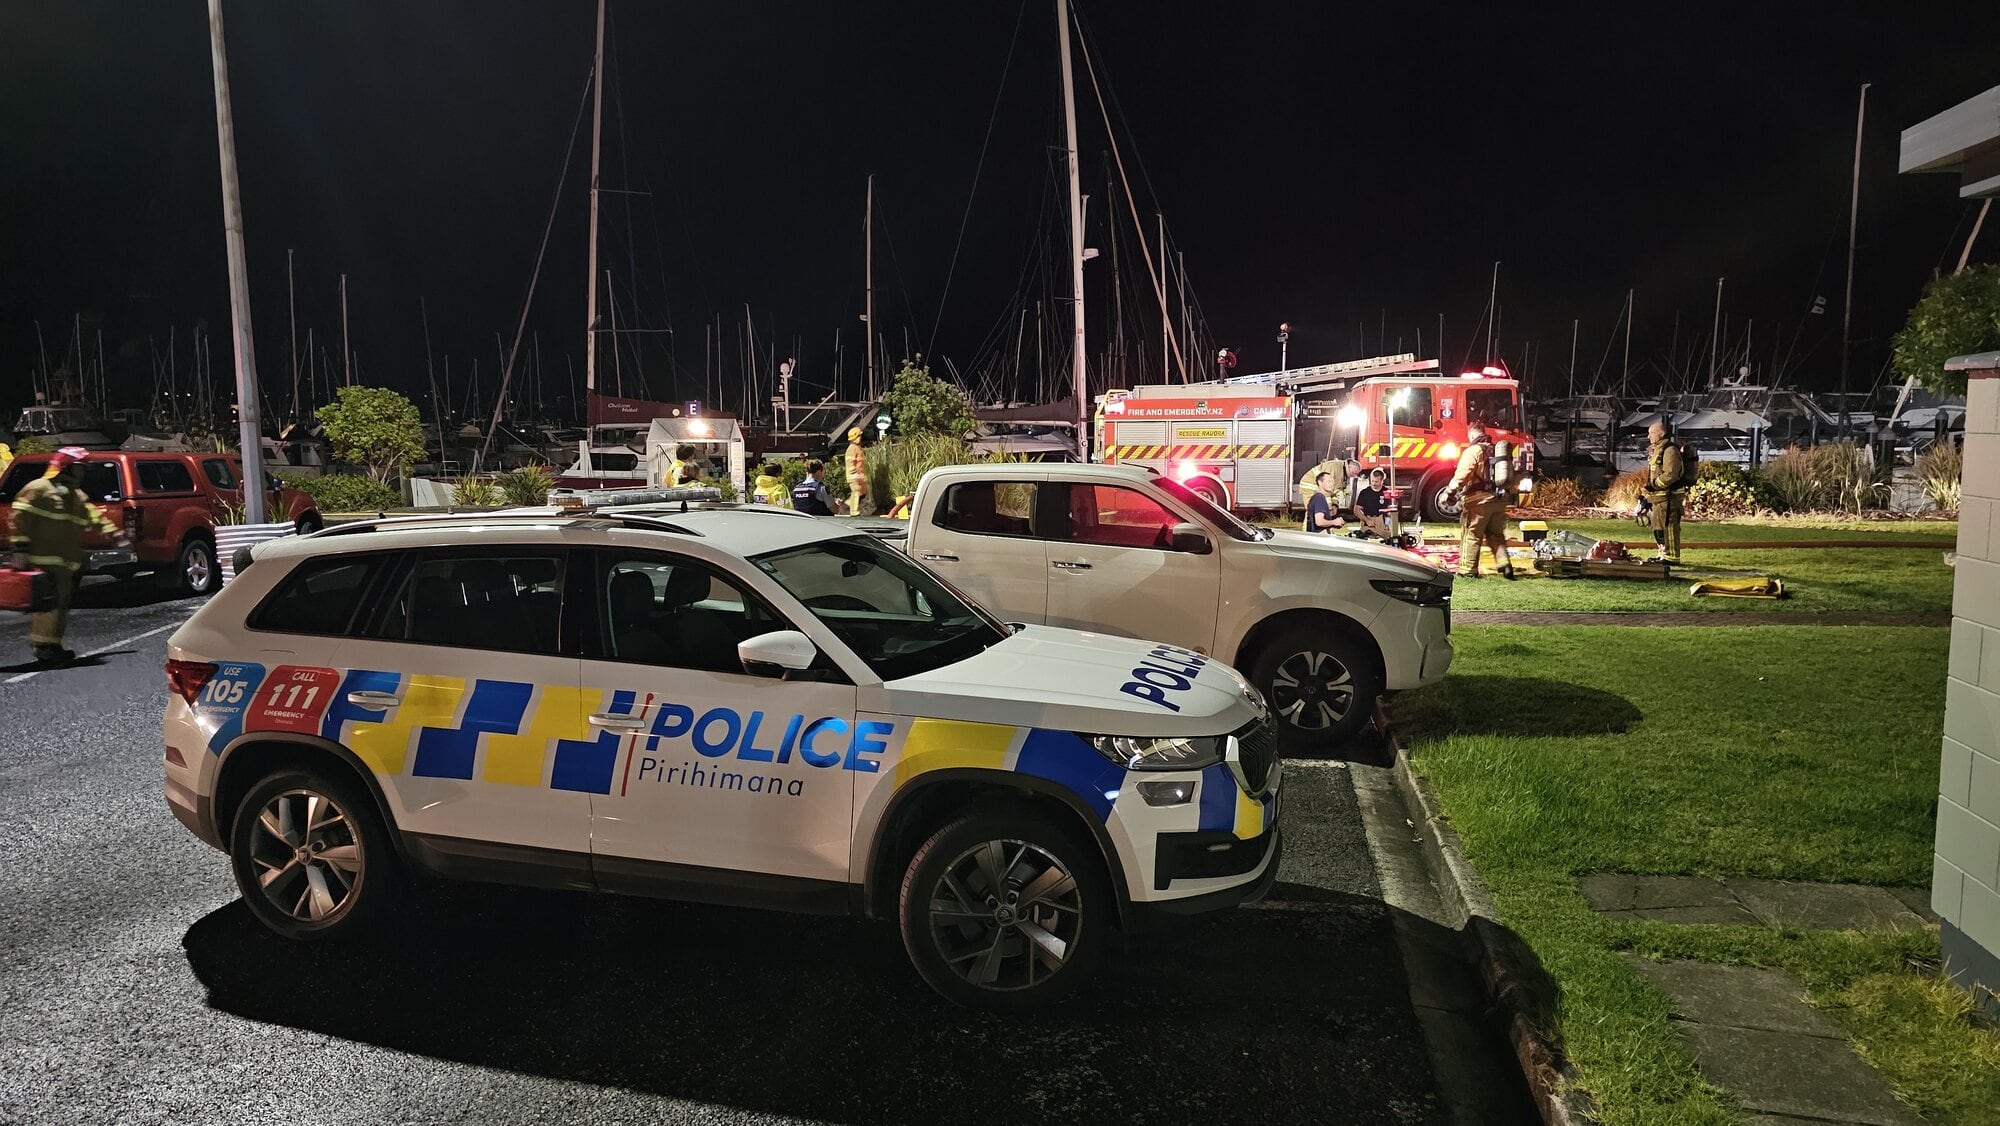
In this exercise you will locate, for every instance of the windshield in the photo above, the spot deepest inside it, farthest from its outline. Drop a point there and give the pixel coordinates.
(1207, 509)
(897, 617)
(1493, 406)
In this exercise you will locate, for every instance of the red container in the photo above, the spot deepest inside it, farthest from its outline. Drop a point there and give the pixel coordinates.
(30, 591)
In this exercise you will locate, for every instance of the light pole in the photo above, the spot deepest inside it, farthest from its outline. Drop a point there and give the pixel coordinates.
(250, 428)
(1284, 334)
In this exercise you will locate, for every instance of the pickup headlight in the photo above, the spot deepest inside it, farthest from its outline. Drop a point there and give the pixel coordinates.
(1170, 752)
(1417, 592)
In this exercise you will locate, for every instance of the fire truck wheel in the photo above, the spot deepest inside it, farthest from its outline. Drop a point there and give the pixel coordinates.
(1430, 495)
(1211, 490)
(1321, 686)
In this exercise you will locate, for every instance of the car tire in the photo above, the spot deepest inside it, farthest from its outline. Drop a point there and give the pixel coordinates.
(1005, 952)
(195, 568)
(1431, 502)
(311, 857)
(1211, 490)
(308, 523)
(1321, 686)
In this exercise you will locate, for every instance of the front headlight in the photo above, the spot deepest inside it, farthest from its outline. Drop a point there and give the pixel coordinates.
(1171, 752)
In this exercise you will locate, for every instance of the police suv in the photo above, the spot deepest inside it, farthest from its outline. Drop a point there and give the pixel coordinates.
(742, 706)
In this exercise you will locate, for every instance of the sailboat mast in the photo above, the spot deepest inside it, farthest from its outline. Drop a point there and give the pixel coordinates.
(346, 350)
(1078, 358)
(1165, 328)
(1853, 221)
(868, 313)
(292, 308)
(596, 154)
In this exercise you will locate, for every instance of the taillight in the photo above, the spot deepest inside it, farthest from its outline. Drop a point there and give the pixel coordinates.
(187, 678)
(135, 519)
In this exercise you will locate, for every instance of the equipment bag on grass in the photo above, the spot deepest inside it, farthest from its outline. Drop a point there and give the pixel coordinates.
(31, 591)
(1757, 586)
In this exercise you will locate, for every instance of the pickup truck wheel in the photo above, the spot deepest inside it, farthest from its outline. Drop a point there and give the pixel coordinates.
(309, 523)
(1321, 687)
(1004, 912)
(311, 858)
(195, 571)
(1211, 490)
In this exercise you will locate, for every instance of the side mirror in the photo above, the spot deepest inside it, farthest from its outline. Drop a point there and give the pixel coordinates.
(1190, 538)
(778, 652)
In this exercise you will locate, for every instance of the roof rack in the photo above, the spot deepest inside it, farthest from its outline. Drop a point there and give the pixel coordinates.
(589, 500)
(449, 519)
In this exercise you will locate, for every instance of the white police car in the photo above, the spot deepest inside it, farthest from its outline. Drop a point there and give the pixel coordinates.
(733, 706)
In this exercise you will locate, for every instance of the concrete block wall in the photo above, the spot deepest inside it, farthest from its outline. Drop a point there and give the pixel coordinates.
(1965, 887)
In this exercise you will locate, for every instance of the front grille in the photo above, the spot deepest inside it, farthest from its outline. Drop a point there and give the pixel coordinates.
(1256, 754)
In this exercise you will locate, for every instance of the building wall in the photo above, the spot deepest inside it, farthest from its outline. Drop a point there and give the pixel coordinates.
(1965, 886)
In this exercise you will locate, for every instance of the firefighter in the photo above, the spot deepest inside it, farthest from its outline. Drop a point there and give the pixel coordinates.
(1664, 491)
(50, 517)
(857, 475)
(1483, 520)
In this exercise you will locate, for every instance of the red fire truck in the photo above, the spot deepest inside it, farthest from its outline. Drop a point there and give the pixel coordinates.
(1245, 441)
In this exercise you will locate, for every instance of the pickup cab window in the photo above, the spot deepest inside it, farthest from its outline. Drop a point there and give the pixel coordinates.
(219, 472)
(1115, 516)
(989, 508)
(164, 477)
(100, 479)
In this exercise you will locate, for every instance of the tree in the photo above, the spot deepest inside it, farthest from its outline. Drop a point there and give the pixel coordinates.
(375, 427)
(919, 403)
(1958, 315)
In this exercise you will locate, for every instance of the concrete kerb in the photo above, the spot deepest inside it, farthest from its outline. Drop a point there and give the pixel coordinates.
(1518, 989)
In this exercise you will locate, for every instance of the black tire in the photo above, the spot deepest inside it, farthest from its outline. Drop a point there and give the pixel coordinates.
(1431, 502)
(1211, 490)
(1321, 686)
(308, 523)
(195, 568)
(341, 871)
(1069, 920)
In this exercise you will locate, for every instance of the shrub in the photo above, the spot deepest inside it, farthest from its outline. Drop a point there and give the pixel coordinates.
(475, 492)
(1622, 494)
(921, 405)
(347, 492)
(373, 426)
(34, 444)
(1559, 494)
(1938, 470)
(528, 485)
(1837, 476)
(1722, 490)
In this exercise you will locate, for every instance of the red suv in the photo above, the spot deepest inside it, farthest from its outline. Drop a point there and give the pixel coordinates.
(168, 503)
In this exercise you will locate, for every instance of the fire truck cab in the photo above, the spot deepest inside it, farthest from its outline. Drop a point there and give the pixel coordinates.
(1394, 412)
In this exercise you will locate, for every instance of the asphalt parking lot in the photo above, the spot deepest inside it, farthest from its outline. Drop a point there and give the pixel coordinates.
(135, 988)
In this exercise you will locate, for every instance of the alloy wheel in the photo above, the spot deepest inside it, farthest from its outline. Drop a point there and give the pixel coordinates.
(198, 568)
(1312, 690)
(1006, 915)
(307, 856)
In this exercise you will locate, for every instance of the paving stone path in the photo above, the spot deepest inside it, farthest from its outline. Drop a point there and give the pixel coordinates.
(1694, 618)
(1750, 1030)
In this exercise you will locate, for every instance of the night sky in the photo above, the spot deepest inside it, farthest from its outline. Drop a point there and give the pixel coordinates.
(1354, 170)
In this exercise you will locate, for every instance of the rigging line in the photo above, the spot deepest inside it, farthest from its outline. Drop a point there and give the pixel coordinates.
(898, 264)
(1090, 48)
(527, 303)
(1157, 275)
(978, 167)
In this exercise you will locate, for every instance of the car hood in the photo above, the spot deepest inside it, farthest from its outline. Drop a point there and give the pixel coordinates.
(1394, 562)
(1064, 679)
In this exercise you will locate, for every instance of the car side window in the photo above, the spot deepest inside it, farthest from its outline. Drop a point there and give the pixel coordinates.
(164, 477)
(673, 611)
(1115, 516)
(988, 508)
(219, 473)
(511, 601)
(319, 597)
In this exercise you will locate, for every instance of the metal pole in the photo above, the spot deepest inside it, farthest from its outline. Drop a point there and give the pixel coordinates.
(346, 352)
(292, 307)
(1165, 351)
(868, 235)
(250, 430)
(1853, 222)
(1078, 359)
(596, 154)
(1714, 333)
(1492, 310)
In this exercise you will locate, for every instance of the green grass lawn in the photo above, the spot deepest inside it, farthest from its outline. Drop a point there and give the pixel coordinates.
(1877, 579)
(1785, 752)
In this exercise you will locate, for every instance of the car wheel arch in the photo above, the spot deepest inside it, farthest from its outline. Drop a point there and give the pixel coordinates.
(258, 755)
(920, 809)
(1266, 631)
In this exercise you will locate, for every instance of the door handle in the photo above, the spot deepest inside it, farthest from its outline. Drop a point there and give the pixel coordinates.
(374, 699)
(938, 557)
(1070, 564)
(611, 721)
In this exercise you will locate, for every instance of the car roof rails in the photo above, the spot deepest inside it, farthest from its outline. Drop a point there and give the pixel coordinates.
(452, 519)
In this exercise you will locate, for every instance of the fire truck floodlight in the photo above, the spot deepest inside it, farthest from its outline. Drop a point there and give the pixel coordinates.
(1352, 416)
(1186, 469)
(1450, 451)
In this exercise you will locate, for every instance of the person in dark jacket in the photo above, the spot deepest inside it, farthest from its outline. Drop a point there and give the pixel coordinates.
(51, 515)
(810, 496)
